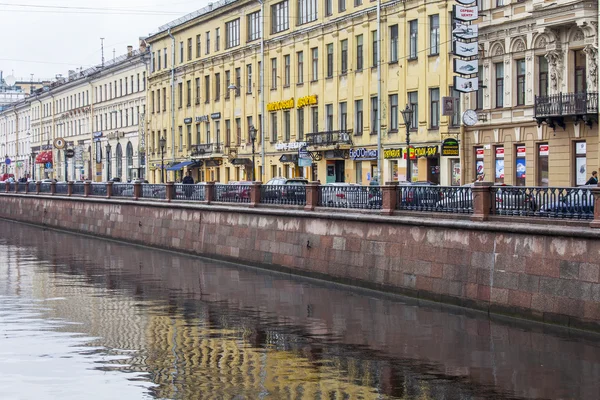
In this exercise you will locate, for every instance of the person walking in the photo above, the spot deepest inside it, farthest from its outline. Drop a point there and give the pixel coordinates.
(594, 179)
(188, 180)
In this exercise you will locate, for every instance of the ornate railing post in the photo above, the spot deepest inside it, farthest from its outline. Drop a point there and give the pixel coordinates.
(482, 201)
(209, 192)
(312, 196)
(87, 188)
(70, 188)
(255, 194)
(137, 190)
(109, 188)
(388, 197)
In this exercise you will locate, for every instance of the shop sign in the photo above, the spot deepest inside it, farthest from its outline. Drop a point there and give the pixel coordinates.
(98, 153)
(479, 152)
(465, 2)
(465, 49)
(466, 32)
(69, 153)
(307, 101)
(420, 152)
(289, 146)
(580, 148)
(465, 13)
(202, 118)
(281, 105)
(97, 136)
(544, 150)
(216, 115)
(304, 158)
(48, 146)
(466, 85)
(450, 148)
(392, 153)
(187, 121)
(363, 154)
(499, 152)
(332, 154)
(466, 67)
(521, 151)
(448, 105)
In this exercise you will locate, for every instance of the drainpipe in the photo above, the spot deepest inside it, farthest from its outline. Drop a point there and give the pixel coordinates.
(379, 152)
(262, 90)
(172, 96)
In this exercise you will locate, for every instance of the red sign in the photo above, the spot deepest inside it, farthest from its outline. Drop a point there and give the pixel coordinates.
(521, 151)
(479, 153)
(463, 13)
(499, 152)
(544, 150)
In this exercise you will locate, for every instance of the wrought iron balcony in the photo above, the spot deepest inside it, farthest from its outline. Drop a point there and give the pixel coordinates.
(552, 109)
(206, 149)
(330, 138)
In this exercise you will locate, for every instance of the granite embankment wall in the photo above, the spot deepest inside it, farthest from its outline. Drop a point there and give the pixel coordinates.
(541, 272)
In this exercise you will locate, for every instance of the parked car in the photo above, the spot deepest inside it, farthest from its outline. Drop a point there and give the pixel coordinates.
(273, 190)
(514, 200)
(419, 194)
(457, 198)
(578, 201)
(350, 195)
(233, 191)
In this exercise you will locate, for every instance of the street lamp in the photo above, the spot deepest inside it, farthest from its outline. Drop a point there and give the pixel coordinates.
(162, 142)
(407, 114)
(108, 161)
(253, 138)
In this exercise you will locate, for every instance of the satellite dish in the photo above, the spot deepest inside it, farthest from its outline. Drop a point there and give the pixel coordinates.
(10, 80)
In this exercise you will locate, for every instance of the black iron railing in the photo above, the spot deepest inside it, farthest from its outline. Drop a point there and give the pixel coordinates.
(98, 189)
(122, 190)
(563, 104)
(45, 187)
(61, 188)
(21, 186)
(190, 192)
(154, 191)
(206, 148)
(329, 138)
(32, 187)
(350, 196)
(79, 188)
(453, 199)
(232, 193)
(11, 186)
(283, 194)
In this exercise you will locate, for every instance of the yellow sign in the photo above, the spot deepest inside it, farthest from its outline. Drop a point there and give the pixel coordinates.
(307, 101)
(392, 153)
(281, 105)
(418, 152)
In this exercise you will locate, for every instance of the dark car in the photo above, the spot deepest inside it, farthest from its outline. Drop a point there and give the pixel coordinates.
(418, 195)
(577, 203)
(289, 190)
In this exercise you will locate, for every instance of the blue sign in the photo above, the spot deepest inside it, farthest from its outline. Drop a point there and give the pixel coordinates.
(304, 158)
(7, 161)
(48, 165)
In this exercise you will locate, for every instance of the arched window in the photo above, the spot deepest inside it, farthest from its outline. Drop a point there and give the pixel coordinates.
(119, 156)
(129, 161)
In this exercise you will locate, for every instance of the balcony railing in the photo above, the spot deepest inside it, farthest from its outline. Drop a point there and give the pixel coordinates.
(565, 104)
(330, 138)
(206, 149)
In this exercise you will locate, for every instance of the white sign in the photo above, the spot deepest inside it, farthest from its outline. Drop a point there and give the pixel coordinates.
(466, 85)
(544, 150)
(289, 146)
(580, 148)
(465, 49)
(465, 2)
(466, 67)
(466, 14)
(466, 31)
(521, 151)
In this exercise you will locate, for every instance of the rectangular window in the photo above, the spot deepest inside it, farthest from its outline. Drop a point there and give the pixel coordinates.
(286, 71)
(206, 88)
(329, 117)
(189, 135)
(300, 72)
(300, 120)
(152, 100)
(254, 26)
(479, 94)
(198, 46)
(358, 115)
(520, 165)
(341, 5)
(455, 118)
(520, 64)
(164, 99)
(180, 94)
(280, 17)
(580, 74)
(249, 124)
(198, 134)
(207, 46)
(434, 34)
(197, 90)
(180, 138)
(434, 107)
(357, 3)
(315, 64)
(227, 132)
(189, 49)
(359, 52)
(249, 78)
(238, 131)
(217, 39)
(158, 100)
(181, 52)
(344, 46)
(126, 86)
(273, 127)
(217, 87)
(543, 177)
(273, 73)
(394, 113)
(188, 85)
(499, 164)
(165, 57)
(328, 7)
(232, 33)
(375, 60)
(314, 111)
(330, 60)
(499, 84)
(238, 81)
(307, 11)
(543, 76)
(287, 128)
(413, 103)
(394, 43)
(159, 61)
(227, 83)
(580, 163)
(208, 138)
(374, 115)
(413, 48)
(153, 62)
(344, 116)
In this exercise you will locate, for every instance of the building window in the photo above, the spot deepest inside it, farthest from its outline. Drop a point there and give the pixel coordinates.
(198, 135)
(227, 132)
(479, 94)
(357, 3)
(358, 115)
(359, 52)
(580, 163)
(413, 48)
(227, 83)
(413, 103)
(307, 11)
(273, 73)
(394, 113)
(499, 84)
(314, 111)
(159, 61)
(499, 164)
(344, 45)
(198, 46)
(341, 5)
(455, 118)
(189, 136)
(394, 43)
(164, 99)
(188, 85)
(238, 81)
(328, 7)
(580, 73)
(217, 39)
(181, 52)
(434, 98)
(375, 61)
(374, 115)
(197, 90)
(189, 49)
(542, 164)
(249, 124)
(434, 34)
(300, 72)
(207, 46)
(520, 165)
(180, 138)
(233, 33)
(180, 94)
(330, 60)
(543, 76)
(249, 78)
(273, 127)
(286, 71)
(300, 117)
(254, 26)
(315, 63)
(238, 130)
(344, 116)
(287, 129)
(217, 87)
(329, 117)
(165, 57)
(520, 82)
(280, 17)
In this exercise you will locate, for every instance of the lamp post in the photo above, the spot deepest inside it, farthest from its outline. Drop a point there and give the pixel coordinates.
(253, 138)
(407, 115)
(108, 161)
(162, 142)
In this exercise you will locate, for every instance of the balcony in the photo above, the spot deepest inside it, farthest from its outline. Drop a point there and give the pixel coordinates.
(331, 138)
(207, 150)
(554, 108)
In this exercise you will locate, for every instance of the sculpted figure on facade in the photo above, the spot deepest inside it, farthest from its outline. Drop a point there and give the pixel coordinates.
(555, 62)
(592, 65)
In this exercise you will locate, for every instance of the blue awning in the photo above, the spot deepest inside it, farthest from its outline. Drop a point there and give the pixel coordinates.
(179, 166)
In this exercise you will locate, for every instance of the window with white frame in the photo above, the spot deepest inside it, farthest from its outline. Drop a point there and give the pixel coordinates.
(233, 33)
(307, 11)
(413, 27)
(286, 70)
(394, 43)
(280, 17)
(413, 103)
(434, 34)
(374, 114)
(393, 112)
(254, 26)
(344, 48)
(300, 72)
(249, 78)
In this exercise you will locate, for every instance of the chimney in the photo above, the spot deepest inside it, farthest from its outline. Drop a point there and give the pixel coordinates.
(129, 51)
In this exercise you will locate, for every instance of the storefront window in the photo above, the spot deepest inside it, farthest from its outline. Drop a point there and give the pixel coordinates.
(520, 165)
(580, 163)
(543, 152)
(394, 170)
(479, 168)
(359, 172)
(455, 172)
(499, 174)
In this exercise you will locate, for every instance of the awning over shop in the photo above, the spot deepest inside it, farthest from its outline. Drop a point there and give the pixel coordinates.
(289, 158)
(44, 157)
(241, 161)
(213, 163)
(190, 164)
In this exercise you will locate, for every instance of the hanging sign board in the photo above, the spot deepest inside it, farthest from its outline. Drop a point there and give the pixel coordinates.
(450, 148)
(466, 67)
(465, 49)
(465, 2)
(466, 85)
(465, 14)
(466, 32)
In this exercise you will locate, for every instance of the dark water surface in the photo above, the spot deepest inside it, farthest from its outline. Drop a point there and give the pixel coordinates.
(82, 318)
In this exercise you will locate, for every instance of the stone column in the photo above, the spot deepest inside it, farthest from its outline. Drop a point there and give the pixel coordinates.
(482, 201)
(38, 187)
(6, 186)
(312, 196)
(170, 188)
(209, 192)
(255, 194)
(87, 188)
(389, 195)
(137, 190)
(52, 188)
(70, 188)
(596, 221)
(109, 187)
(16, 186)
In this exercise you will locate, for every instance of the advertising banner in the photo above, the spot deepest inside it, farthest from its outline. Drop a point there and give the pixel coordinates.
(466, 67)
(465, 13)
(465, 49)
(466, 85)
(466, 32)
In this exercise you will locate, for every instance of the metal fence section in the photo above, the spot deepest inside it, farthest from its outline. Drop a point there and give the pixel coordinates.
(11, 186)
(190, 192)
(283, 194)
(451, 199)
(550, 202)
(61, 188)
(232, 193)
(45, 187)
(350, 196)
(154, 191)
(122, 190)
(79, 189)
(32, 187)
(21, 186)
(98, 189)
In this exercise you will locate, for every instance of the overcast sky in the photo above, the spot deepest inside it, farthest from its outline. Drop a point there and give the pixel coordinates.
(47, 40)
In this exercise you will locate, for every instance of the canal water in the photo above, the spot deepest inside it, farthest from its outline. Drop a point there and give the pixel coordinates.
(87, 318)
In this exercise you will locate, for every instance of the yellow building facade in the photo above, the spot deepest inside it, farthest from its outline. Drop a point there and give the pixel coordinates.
(321, 90)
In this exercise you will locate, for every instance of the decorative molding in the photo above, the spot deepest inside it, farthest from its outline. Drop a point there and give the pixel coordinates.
(540, 132)
(496, 135)
(517, 133)
(577, 130)
(591, 53)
